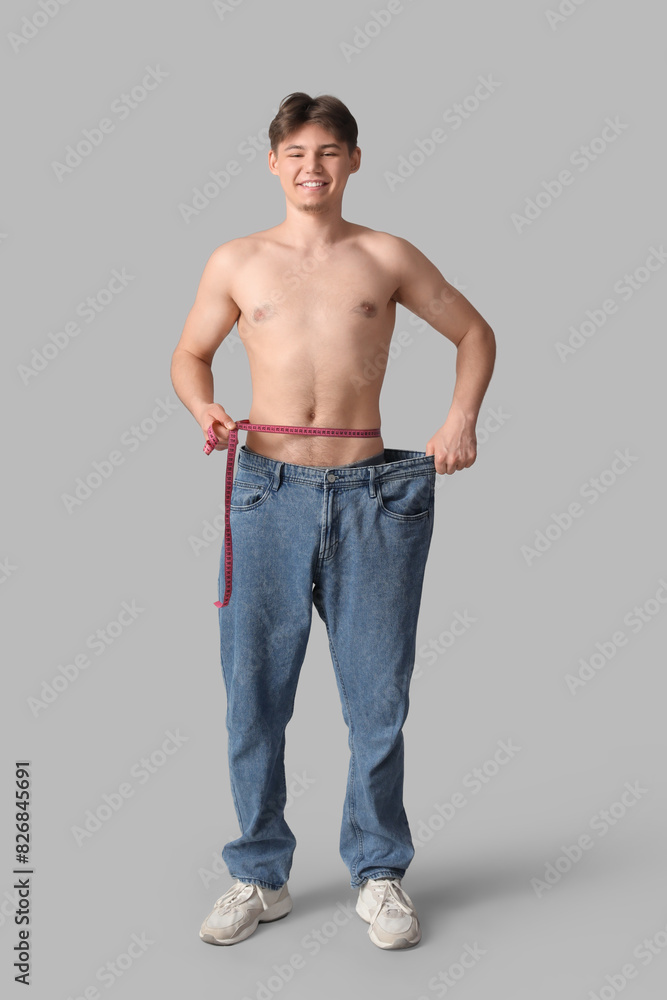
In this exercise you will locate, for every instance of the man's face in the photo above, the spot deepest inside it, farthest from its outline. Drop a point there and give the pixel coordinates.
(312, 154)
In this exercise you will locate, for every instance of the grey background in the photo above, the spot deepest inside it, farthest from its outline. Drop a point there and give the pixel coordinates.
(144, 871)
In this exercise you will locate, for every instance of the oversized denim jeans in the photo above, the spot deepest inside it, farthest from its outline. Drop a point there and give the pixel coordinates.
(352, 540)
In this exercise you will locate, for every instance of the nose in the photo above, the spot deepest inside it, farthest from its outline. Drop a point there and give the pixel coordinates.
(310, 164)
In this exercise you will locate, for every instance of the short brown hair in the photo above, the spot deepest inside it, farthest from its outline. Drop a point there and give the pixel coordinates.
(299, 109)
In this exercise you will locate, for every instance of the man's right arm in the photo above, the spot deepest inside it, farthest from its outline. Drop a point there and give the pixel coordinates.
(210, 319)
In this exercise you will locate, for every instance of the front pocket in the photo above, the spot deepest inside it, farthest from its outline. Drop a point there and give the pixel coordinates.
(407, 498)
(246, 494)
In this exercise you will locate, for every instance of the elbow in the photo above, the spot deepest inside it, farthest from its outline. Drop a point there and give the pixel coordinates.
(489, 337)
(480, 330)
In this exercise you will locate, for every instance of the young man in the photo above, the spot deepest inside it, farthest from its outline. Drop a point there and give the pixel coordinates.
(335, 520)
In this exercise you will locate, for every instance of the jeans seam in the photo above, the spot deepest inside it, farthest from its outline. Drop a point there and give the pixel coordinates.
(258, 881)
(405, 517)
(401, 517)
(353, 817)
(385, 873)
(389, 478)
(255, 503)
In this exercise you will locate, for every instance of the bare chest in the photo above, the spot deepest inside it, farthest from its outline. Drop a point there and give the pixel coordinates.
(342, 299)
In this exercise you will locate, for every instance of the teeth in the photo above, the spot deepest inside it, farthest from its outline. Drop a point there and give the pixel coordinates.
(312, 184)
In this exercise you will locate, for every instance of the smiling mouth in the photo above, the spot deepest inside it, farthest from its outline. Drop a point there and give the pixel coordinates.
(313, 185)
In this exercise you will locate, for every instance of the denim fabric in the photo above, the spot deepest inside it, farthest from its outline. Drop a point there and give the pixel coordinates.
(352, 541)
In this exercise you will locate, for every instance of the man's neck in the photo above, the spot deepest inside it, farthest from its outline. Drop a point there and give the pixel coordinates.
(305, 230)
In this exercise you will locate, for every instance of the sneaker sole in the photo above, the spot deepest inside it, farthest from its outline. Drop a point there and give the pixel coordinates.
(275, 912)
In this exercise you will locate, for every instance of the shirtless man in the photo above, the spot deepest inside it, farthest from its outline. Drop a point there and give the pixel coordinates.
(343, 523)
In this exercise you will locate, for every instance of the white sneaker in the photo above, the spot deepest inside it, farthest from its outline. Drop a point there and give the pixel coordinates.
(237, 913)
(388, 909)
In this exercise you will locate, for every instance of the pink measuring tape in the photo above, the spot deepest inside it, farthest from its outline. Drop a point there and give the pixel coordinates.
(245, 425)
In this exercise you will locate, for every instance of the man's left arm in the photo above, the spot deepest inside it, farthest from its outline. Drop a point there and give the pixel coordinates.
(424, 291)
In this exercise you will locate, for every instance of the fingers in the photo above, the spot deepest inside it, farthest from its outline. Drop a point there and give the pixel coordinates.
(216, 425)
(216, 414)
(223, 417)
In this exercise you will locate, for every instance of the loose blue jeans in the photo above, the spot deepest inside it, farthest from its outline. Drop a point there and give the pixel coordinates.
(353, 541)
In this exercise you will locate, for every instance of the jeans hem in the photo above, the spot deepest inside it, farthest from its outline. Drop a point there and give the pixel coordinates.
(380, 873)
(260, 882)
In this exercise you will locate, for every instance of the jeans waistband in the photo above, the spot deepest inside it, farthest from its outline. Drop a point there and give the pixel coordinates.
(392, 462)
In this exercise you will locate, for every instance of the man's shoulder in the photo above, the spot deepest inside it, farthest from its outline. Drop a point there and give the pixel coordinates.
(240, 246)
(382, 240)
(386, 245)
(374, 235)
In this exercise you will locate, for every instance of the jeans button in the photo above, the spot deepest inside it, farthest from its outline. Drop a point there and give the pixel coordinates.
(331, 477)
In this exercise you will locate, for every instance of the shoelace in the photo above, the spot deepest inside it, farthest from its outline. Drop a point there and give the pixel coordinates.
(391, 893)
(234, 895)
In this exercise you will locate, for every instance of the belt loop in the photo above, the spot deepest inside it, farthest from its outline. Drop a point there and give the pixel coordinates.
(371, 481)
(277, 476)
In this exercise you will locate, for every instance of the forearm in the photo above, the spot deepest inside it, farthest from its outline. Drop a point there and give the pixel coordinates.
(475, 359)
(192, 380)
